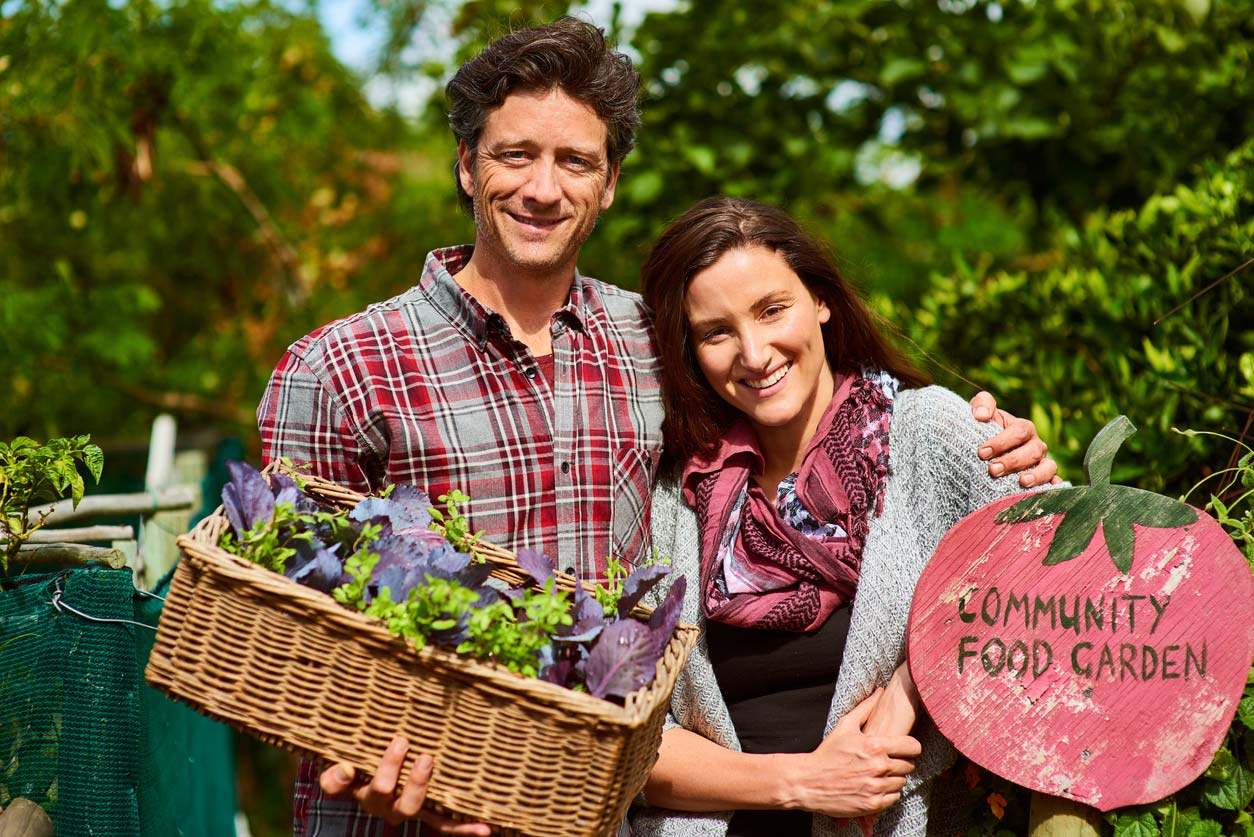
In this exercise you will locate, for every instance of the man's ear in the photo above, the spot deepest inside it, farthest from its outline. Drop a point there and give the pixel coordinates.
(611, 183)
(466, 167)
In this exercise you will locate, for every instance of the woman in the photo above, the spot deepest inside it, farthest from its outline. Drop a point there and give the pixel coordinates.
(816, 474)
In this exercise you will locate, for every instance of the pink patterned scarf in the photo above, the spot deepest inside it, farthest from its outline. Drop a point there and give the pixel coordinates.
(795, 580)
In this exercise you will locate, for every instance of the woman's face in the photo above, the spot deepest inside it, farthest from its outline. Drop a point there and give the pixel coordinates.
(757, 333)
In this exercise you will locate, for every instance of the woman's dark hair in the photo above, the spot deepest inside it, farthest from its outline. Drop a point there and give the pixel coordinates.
(568, 53)
(696, 416)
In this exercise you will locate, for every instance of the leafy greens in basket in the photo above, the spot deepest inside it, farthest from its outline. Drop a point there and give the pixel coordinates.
(391, 559)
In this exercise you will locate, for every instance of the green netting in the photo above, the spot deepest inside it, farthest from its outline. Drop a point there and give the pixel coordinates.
(80, 732)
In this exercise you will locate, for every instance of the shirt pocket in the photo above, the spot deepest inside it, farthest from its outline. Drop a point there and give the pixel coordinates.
(632, 486)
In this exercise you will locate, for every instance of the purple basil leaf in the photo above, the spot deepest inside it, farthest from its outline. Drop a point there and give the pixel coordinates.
(487, 596)
(663, 620)
(515, 595)
(411, 509)
(640, 582)
(623, 659)
(588, 616)
(285, 490)
(405, 509)
(474, 574)
(315, 566)
(399, 568)
(247, 497)
(369, 509)
(558, 672)
(442, 561)
(535, 564)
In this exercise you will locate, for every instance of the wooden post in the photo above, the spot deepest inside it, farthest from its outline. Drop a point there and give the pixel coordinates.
(67, 554)
(167, 470)
(1053, 816)
(82, 534)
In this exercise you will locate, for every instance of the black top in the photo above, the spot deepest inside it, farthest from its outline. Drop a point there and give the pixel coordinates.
(778, 688)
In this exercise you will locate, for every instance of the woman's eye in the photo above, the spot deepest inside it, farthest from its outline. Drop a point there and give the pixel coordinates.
(713, 334)
(773, 311)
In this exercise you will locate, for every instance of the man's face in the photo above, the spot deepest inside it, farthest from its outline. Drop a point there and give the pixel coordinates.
(540, 178)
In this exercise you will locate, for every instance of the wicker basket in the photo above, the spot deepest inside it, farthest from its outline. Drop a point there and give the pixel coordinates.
(292, 667)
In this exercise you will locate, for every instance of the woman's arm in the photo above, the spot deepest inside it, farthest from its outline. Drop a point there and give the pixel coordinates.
(849, 774)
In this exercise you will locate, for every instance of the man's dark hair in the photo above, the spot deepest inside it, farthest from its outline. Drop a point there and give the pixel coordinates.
(569, 54)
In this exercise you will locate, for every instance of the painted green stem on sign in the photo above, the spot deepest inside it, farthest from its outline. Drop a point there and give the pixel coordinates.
(1116, 507)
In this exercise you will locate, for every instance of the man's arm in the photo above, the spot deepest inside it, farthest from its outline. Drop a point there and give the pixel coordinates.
(302, 419)
(1017, 449)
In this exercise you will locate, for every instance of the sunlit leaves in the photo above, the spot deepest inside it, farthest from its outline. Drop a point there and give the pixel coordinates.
(33, 474)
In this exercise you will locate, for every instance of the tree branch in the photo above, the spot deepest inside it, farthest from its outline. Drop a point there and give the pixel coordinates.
(282, 250)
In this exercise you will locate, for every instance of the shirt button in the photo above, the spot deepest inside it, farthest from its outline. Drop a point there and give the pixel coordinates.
(570, 571)
(565, 467)
(530, 372)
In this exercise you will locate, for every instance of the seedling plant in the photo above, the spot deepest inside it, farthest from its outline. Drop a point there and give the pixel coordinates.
(32, 475)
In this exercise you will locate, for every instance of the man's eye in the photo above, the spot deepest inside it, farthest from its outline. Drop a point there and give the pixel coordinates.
(578, 162)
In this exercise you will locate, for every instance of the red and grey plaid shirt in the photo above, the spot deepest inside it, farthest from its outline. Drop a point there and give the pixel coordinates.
(430, 388)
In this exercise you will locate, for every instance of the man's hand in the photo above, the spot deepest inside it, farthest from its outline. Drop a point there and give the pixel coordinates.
(1017, 448)
(379, 796)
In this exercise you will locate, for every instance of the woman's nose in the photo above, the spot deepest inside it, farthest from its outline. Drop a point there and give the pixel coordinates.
(755, 352)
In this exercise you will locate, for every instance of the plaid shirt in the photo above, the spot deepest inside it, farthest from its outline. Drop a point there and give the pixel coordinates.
(430, 388)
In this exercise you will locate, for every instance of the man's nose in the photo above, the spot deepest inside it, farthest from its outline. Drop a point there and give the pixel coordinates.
(542, 183)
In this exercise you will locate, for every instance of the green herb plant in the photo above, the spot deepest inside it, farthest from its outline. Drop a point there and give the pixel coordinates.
(616, 573)
(452, 523)
(31, 475)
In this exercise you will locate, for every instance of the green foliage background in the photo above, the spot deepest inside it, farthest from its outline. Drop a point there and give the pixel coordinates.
(1052, 200)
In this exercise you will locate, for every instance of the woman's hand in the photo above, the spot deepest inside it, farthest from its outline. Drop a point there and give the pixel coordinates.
(379, 797)
(852, 774)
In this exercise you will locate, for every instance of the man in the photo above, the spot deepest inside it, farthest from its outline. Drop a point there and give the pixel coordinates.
(503, 372)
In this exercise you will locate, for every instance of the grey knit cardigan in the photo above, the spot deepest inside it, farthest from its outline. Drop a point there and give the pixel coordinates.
(934, 479)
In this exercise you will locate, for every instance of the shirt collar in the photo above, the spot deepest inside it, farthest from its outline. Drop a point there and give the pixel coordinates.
(475, 320)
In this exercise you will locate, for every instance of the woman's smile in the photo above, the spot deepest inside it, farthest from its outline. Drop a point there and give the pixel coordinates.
(768, 381)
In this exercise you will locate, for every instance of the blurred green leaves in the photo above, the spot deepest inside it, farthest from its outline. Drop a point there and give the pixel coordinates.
(1026, 188)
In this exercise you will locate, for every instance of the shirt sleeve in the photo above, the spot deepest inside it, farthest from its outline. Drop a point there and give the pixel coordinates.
(303, 419)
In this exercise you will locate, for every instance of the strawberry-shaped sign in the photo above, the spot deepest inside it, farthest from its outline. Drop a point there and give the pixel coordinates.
(1088, 642)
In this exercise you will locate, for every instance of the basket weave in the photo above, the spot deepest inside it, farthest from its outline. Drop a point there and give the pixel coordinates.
(292, 667)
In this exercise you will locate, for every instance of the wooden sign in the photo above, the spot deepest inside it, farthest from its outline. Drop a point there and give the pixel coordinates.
(1091, 643)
